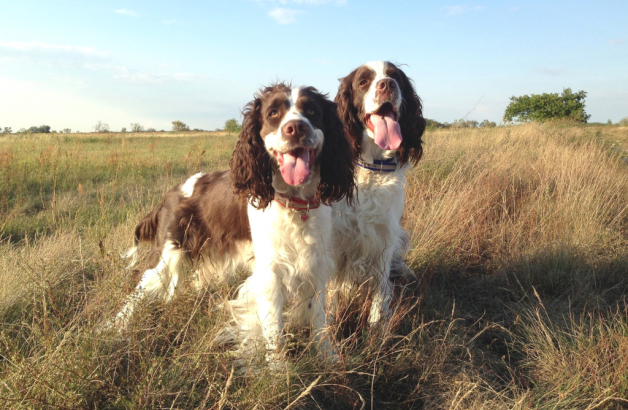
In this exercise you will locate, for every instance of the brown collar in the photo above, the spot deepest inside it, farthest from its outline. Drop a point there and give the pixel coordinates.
(302, 206)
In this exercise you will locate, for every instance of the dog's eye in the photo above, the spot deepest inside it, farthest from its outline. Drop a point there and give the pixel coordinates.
(363, 82)
(273, 113)
(311, 112)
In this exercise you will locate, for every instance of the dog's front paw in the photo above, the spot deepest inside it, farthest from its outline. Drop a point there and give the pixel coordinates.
(276, 361)
(327, 353)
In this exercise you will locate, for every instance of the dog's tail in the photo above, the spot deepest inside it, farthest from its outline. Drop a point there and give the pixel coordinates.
(145, 231)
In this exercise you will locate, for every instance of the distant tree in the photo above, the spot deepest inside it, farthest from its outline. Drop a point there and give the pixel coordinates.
(123, 129)
(101, 127)
(151, 130)
(543, 107)
(232, 126)
(488, 124)
(609, 122)
(136, 127)
(67, 131)
(178, 126)
(22, 130)
(462, 123)
(433, 124)
(7, 130)
(43, 129)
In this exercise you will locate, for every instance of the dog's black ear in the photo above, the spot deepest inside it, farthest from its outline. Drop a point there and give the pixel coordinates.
(411, 122)
(337, 159)
(348, 113)
(251, 170)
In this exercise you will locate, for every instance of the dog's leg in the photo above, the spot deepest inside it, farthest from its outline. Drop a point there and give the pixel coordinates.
(383, 288)
(320, 326)
(159, 282)
(267, 290)
(399, 269)
(336, 284)
(310, 310)
(381, 300)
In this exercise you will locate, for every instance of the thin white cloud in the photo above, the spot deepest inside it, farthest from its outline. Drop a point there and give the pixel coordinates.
(309, 2)
(154, 78)
(126, 12)
(322, 61)
(460, 9)
(38, 48)
(617, 41)
(137, 77)
(285, 16)
(452, 10)
(169, 22)
(550, 70)
(86, 58)
(312, 2)
(46, 54)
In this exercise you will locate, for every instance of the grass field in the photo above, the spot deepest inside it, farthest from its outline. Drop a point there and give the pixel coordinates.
(519, 244)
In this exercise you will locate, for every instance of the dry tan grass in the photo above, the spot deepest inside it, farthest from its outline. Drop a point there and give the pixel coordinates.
(516, 200)
(519, 243)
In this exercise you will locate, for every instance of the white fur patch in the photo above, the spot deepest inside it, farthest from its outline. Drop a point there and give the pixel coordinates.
(130, 253)
(275, 142)
(370, 99)
(187, 189)
(294, 96)
(377, 66)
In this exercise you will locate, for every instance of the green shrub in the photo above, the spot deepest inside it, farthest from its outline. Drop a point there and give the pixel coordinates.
(544, 107)
(232, 126)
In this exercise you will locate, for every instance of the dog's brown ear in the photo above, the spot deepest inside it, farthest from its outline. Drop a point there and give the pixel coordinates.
(348, 113)
(337, 159)
(251, 170)
(412, 124)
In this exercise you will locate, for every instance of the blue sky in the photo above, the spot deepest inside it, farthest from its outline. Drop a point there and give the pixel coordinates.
(69, 63)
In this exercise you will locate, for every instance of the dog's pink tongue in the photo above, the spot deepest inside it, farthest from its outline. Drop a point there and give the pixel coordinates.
(387, 131)
(296, 166)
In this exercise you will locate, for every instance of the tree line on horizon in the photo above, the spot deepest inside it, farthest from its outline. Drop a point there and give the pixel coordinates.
(231, 126)
(544, 107)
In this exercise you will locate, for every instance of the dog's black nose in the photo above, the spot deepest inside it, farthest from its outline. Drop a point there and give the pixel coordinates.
(294, 129)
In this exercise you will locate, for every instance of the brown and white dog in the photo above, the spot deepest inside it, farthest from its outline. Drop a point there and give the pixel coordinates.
(382, 115)
(270, 214)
